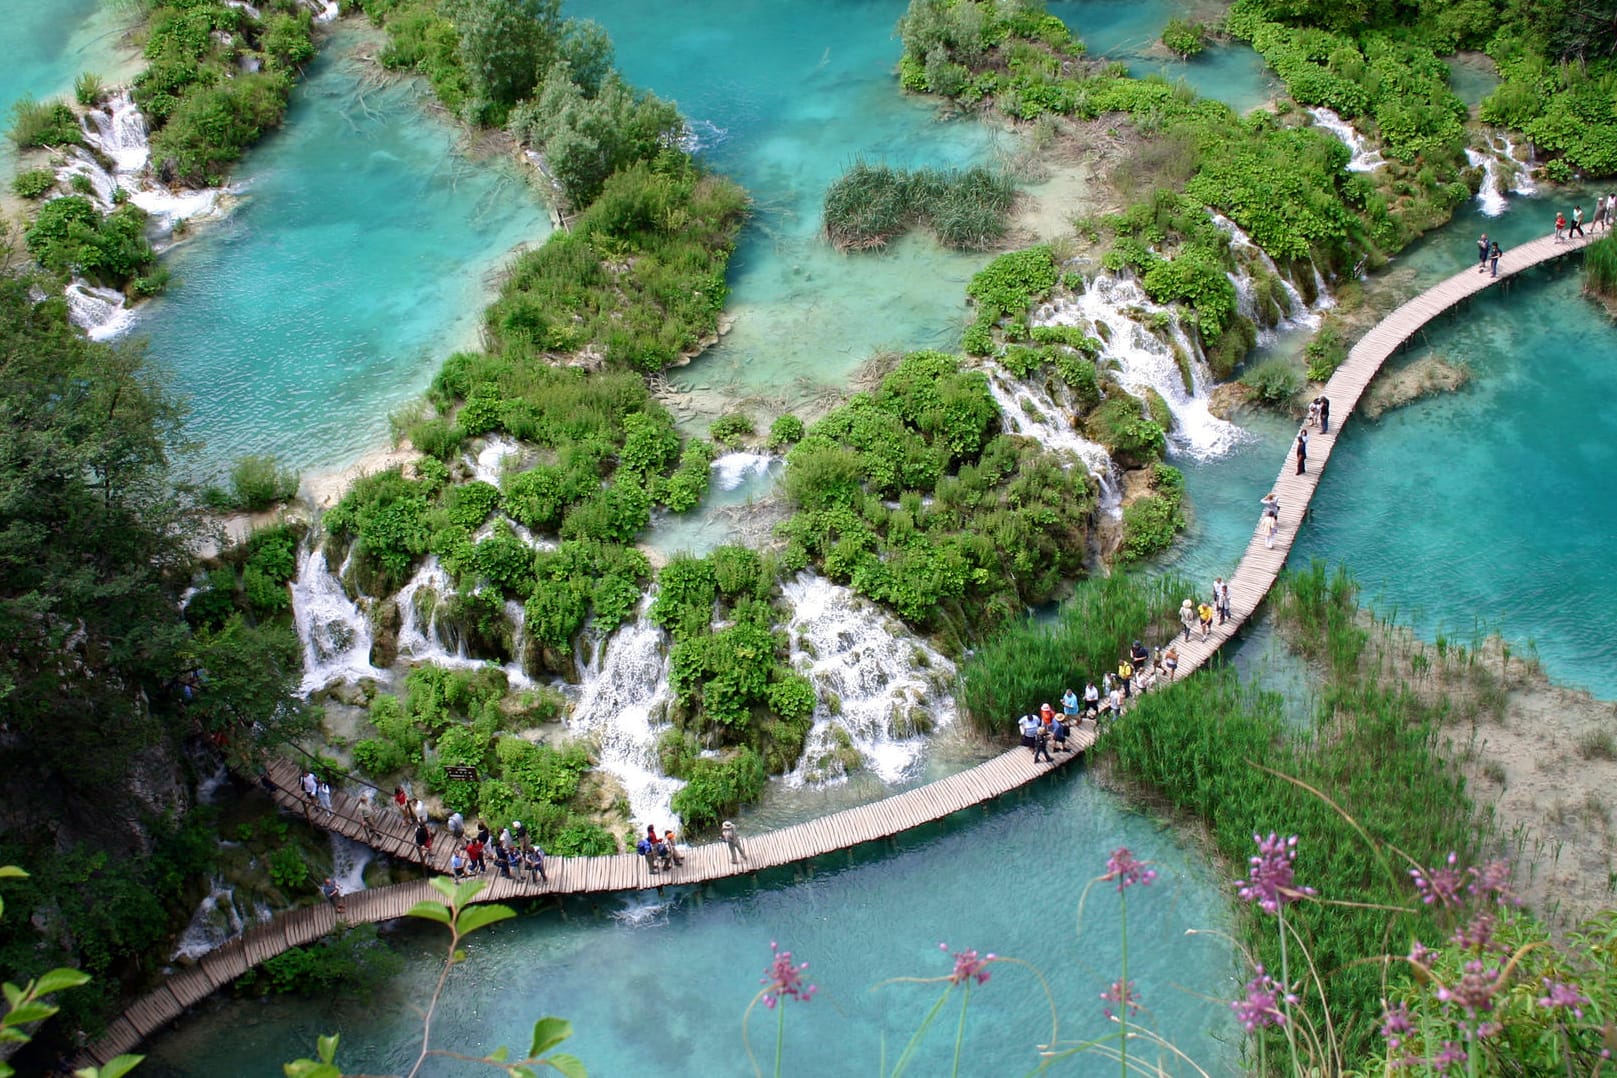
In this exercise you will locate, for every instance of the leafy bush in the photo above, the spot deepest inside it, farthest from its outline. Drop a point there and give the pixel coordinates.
(1151, 522)
(1327, 351)
(716, 788)
(88, 89)
(871, 204)
(1183, 37)
(730, 430)
(385, 516)
(379, 757)
(1275, 381)
(1118, 424)
(43, 123)
(784, 431)
(211, 126)
(352, 960)
(34, 182)
(259, 482)
(69, 236)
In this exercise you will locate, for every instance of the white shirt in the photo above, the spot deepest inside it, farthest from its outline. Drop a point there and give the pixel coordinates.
(310, 784)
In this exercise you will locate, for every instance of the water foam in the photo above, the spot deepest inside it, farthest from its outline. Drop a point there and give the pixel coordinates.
(216, 919)
(1491, 200)
(731, 470)
(1363, 159)
(1029, 410)
(336, 635)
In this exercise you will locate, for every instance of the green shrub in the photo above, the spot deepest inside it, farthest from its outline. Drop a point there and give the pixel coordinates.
(784, 431)
(1183, 37)
(210, 127)
(1327, 351)
(1275, 381)
(869, 205)
(732, 429)
(1151, 522)
(43, 123)
(581, 838)
(34, 182)
(1012, 282)
(379, 757)
(717, 788)
(1118, 424)
(88, 89)
(288, 868)
(352, 960)
(69, 236)
(259, 482)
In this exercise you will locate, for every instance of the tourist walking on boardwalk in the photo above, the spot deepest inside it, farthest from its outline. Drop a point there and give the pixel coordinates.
(646, 849)
(1116, 700)
(1324, 414)
(423, 841)
(1313, 413)
(1577, 222)
(520, 833)
(1069, 704)
(421, 811)
(475, 856)
(1482, 252)
(733, 840)
(1271, 504)
(367, 812)
(457, 865)
(311, 789)
(457, 826)
(1600, 213)
(1270, 525)
(502, 860)
(1221, 599)
(1041, 744)
(1140, 657)
(1302, 451)
(1091, 700)
(401, 801)
(323, 795)
(1125, 675)
(1493, 259)
(1187, 616)
(1026, 725)
(535, 857)
(1058, 730)
(1204, 617)
(1170, 661)
(482, 832)
(1560, 228)
(651, 833)
(673, 847)
(333, 894)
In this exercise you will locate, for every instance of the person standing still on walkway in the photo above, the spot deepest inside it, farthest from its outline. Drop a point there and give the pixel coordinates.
(311, 790)
(1577, 222)
(457, 866)
(673, 847)
(1204, 617)
(1270, 525)
(1125, 675)
(423, 841)
(367, 812)
(401, 800)
(1482, 252)
(535, 857)
(1069, 704)
(1221, 599)
(1493, 259)
(1041, 744)
(1324, 414)
(732, 839)
(1187, 616)
(457, 826)
(1091, 700)
(323, 795)
(333, 894)
(1302, 451)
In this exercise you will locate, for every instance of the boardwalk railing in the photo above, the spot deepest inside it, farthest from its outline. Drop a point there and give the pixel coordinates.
(389, 832)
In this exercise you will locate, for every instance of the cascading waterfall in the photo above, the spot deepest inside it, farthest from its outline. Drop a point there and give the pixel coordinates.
(100, 312)
(1363, 159)
(1143, 359)
(620, 704)
(216, 919)
(1299, 314)
(1490, 199)
(423, 639)
(1029, 410)
(336, 635)
(348, 861)
(731, 470)
(889, 686)
(489, 464)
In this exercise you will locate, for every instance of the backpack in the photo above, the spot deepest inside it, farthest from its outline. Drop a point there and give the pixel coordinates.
(642, 847)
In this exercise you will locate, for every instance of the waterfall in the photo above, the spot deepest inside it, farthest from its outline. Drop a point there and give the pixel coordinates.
(731, 470)
(879, 686)
(216, 919)
(1142, 359)
(210, 786)
(348, 861)
(1029, 410)
(1521, 171)
(1490, 199)
(422, 640)
(1363, 159)
(336, 635)
(489, 464)
(1299, 315)
(100, 312)
(620, 703)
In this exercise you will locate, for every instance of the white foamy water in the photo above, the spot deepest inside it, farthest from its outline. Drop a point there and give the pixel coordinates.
(620, 703)
(1364, 158)
(875, 667)
(1490, 199)
(431, 641)
(216, 919)
(731, 470)
(1050, 424)
(336, 635)
(1145, 360)
(100, 312)
(348, 861)
(489, 464)
(1250, 256)
(702, 135)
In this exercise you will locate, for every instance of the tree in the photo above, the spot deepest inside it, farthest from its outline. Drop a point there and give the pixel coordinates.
(506, 46)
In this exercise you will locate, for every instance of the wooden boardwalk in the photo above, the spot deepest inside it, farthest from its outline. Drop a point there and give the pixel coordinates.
(1258, 569)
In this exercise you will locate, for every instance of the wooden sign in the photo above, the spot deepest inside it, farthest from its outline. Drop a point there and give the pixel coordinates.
(461, 773)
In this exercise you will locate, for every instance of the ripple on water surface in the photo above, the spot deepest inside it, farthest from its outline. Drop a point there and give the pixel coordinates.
(355, 262)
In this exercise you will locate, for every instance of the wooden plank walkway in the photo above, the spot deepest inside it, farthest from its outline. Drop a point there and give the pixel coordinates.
(1259, 568)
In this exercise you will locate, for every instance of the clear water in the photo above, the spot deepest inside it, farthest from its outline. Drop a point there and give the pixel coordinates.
(1007, 879)
(358, 258)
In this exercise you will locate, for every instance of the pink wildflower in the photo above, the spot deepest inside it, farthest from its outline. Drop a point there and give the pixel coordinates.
(783, 980)
(1450, 1055)
(1560, 994)
(1269, 881)
(1121, 996)
(1127, 871)
(967, 966)
(1395, 1025)
(1442, 887)
(1473, 993)
(1476, 934)
(1493, 879)
(1260, 1006)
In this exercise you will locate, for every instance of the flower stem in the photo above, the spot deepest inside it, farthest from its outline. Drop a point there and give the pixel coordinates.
(1285, 992)
(915, 1039)
(960, 1031)
(1123, 1004)
(780, 1034)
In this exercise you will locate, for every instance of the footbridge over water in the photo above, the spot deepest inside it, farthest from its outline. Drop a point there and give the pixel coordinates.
(1258, 569)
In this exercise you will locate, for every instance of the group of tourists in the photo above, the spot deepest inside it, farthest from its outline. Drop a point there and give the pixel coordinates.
(1488, 252)
(1605, 215)
(513, 851)
(1138, 670)
(661, 854)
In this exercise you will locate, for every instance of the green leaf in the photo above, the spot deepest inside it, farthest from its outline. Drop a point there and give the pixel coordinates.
(58, 979)
(547, 1033)
(30, 1012)
(470, 920)
(13, 993)
(5, 1070)
(500, 1054)
(12, 872)
(443, 887)
(327, 1048)
(308, 1068)
(432, 911)
(571, 1066)
(114, 1068)
(466, 891)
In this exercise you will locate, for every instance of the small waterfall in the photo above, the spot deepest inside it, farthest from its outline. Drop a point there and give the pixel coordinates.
(489, 464)
(702, 135)
(216, 919)
(1029, 410)
(1299, 314)
(121, 132)
(1363, 159)
(100, 312)
(1145, 360)
(423, 640)
(336, 635)
(874, 679)
(1521, 171)
(1490, 199)
(117, 131)
(348, 861)
(210, 786)
(621, 703)
(731, 470)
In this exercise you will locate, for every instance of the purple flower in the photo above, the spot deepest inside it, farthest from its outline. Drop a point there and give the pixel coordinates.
(1127, 871)
(1451, 1055)
(1260, 1006)
(1493, 879)
(967, 966)
(1442, 887)
(1395, 1025)
(1476, 934)
(1121, 996)
(1561, 994)
(784, 980)
(1474, 991)
(1269, 881)
(1422, 955)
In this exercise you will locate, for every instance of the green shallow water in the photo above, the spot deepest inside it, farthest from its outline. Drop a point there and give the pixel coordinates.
(357, 259)
(1007, 879)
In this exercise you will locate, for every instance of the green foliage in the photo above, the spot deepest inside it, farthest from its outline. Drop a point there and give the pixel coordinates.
(43, 123)
(1328, 350)
(212, 126)
(259, 482)
(716, 788)
(786, 430)
(1151, 522)
(1183, 37)
(69, 236)
(1011, 283)
(352, 960)
(88, 89)
(868, 205)
(34, 182)
(1119, 424)
(288, 869)
(385, 516)
(732, 429)
(379, 758)
(506, 46)
(1029, 661)
(1275, 381)
(272, 560)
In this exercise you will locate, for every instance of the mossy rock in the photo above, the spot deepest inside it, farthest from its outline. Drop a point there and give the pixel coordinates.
(385, 621)
(909, 720)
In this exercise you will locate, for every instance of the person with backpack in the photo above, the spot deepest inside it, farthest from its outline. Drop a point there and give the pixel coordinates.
(733, 840)
(535, 857)
(1041, 744)
(502, 860)
(673, 847)
(645, 849)
(423, 841)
